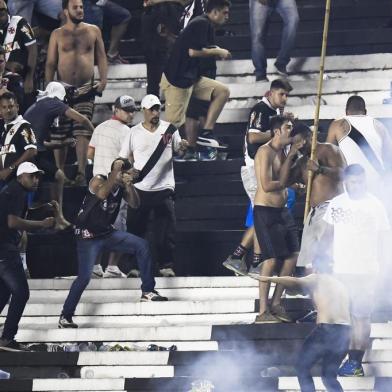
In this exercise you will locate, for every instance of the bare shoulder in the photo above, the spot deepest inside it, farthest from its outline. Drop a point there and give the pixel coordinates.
(340, 124)
(327, 149)
(57, 32)
(263, 153)
(92, 29)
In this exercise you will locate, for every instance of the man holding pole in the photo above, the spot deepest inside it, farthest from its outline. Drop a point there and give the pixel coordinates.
(327, 171)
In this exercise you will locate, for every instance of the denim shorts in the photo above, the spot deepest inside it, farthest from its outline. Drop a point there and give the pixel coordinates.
(110, 13)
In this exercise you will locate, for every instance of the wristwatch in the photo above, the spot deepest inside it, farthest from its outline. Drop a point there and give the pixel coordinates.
(12, 167)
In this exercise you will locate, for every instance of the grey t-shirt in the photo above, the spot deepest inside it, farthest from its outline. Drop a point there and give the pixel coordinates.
(41, 116)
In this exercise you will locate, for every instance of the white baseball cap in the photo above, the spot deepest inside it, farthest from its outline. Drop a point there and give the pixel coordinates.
(29, 168)
(149, 101)
(53, 90)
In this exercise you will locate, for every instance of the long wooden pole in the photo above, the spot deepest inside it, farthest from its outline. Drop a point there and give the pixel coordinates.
(317, 112)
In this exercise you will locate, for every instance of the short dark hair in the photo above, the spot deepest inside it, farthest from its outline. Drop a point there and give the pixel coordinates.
(65, 4)
(302, 129)
(8, 95)
(354, 170)
(217, 4)
(356, 104)
(276, 122)
(281, 84)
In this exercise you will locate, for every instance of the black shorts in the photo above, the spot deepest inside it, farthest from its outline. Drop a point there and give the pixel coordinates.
(276, 232)
(46, 162)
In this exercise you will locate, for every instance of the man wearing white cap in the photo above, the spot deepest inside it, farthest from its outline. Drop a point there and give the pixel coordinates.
(148, 140)
(103, 149)
(13, 282)
(42, 115)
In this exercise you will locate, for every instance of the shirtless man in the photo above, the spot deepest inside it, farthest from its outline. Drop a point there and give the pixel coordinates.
(330, 339)
(71, 52)
(326, 184)
(275, 228)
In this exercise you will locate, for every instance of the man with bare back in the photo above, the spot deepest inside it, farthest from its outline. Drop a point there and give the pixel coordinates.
(330, 339)
(274, 226)
(327, 183)
(71, 53)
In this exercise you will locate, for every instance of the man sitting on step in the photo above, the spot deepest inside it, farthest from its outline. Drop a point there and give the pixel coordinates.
(330, 339)
(95, 233)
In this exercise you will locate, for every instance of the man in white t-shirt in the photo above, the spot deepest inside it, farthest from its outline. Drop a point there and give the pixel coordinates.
(360, 227)
(103, 149)
(156, 189)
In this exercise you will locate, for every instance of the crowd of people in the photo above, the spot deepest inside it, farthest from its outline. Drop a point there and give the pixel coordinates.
(133, 180)
(344, 243)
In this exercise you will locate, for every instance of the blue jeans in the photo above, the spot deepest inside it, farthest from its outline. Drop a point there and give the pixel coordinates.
(259, 15)
(117, 241)
(112, 13)
(329, 344)
(13, 283)
(25, 8)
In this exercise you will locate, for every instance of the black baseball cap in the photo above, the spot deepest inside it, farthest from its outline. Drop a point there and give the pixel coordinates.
(126, 103)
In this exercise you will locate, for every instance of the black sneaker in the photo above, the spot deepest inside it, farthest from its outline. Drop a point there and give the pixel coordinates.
(66, 322)
(281, 70)
(152, 296)
(207, 139)
(11, 345)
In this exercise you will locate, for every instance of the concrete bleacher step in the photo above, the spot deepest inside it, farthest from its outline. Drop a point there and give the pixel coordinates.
(167, 283)
(348, 384)
(249, 90)
(99, 296)
(297, 65)
(143, 308)
(143, 320)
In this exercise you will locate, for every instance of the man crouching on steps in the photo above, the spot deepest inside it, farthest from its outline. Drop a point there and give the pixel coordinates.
(329, 340)
(95, 233)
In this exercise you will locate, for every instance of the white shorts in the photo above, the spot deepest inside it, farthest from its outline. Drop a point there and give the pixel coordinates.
(311, 246)
(249, 182)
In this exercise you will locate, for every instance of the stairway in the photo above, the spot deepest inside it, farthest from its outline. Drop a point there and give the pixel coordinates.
(208, 319)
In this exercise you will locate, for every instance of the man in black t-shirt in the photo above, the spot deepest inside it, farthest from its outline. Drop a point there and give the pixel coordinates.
(20, 45)
(13, 282)
(17, 139)
(258, 132)
(95, 232)
(182, 76)
(41, 116)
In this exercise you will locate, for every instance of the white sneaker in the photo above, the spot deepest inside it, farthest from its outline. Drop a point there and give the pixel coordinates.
(113, 272)
(167, 272)
(97, 272)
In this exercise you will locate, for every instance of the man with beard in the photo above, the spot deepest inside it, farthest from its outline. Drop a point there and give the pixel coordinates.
(156, 189)
(71, 53)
